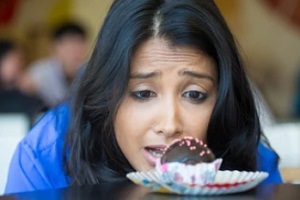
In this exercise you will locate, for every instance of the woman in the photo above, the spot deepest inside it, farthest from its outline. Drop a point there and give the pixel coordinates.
(160, 70)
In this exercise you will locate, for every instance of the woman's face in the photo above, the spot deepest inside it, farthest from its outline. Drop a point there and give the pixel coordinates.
(11, 67)
(171, 94)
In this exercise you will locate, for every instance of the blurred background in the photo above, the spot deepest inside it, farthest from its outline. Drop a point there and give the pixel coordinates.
(267, 31)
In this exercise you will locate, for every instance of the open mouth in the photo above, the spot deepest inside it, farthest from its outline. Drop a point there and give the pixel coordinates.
(156, 152)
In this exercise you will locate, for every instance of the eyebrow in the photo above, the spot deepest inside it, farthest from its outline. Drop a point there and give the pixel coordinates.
(196, 75)
(181, 73)
(143, 75)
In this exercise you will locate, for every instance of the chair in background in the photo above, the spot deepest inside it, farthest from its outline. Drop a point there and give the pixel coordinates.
(13, 128)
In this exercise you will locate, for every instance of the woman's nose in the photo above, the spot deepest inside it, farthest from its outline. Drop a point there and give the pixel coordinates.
(169, 120)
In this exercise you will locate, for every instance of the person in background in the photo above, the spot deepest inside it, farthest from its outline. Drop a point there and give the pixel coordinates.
(160, 70)
(13, 99)
(296, 101)
(50, 78)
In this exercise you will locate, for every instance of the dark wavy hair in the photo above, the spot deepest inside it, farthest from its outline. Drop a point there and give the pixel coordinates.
(68, 28)
(92, 152)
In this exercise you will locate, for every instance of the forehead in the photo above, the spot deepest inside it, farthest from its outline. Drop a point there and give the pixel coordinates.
(160, 45)
(158, 53)
(69, 38)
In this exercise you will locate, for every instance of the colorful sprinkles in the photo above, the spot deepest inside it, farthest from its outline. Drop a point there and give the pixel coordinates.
(188, 148)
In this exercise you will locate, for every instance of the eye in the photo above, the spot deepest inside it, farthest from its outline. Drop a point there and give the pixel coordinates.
(195, 96)
(143, 95)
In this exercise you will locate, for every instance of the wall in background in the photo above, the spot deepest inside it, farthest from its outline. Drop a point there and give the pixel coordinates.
(92, 13)
(33, 20)
(270, 44)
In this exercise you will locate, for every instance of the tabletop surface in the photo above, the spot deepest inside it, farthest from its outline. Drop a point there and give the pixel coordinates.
(129, 191)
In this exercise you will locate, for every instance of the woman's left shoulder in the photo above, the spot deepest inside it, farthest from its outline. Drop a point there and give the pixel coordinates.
(267, 161)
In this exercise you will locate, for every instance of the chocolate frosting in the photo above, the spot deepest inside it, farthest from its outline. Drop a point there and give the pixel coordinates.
(188, 150)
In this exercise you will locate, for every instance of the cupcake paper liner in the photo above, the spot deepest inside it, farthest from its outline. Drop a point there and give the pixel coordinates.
(226, 182)
(180, 173)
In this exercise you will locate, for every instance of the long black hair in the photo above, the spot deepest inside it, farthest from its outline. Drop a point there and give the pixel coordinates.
(92, 152)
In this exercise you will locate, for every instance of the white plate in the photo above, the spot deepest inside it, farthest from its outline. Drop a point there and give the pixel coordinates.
(226, 182)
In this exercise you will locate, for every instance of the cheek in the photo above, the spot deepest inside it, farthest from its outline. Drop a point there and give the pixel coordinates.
(130, 133)
(197, 122)
(124, 123)
(131, 118)
(128, 126)
(121, 132)
(198, 128)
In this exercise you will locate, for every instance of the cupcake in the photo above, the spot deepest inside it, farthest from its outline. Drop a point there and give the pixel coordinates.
(188, 161)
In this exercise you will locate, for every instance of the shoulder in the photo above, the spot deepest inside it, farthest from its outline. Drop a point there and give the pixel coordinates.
(266, 153)
(50, 129)
(38, 160)
(267, 161)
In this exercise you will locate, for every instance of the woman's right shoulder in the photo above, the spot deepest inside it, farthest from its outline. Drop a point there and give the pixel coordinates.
(38, 160)
(50, 129)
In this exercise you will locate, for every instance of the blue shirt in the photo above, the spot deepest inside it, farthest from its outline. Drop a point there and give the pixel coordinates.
(37, 162)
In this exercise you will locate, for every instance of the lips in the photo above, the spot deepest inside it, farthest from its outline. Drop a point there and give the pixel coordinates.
(153, 153)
